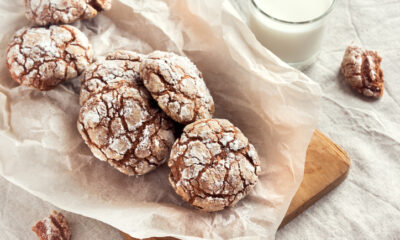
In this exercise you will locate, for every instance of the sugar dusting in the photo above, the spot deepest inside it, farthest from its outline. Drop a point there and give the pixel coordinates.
(53, 227)
(178, 86)
(213, 157)
(117, 119)
(33, 56)
(45, 12)
(362, 71)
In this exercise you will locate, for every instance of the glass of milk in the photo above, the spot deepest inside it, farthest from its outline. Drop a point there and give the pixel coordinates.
(291, 29)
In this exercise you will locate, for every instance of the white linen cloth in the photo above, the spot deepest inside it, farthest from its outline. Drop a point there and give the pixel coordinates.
(367, 204)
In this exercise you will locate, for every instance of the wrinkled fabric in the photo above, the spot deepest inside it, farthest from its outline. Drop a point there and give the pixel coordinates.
(367, 204)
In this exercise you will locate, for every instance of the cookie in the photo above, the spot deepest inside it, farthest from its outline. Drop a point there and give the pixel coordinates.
(45, 57)
(53, 227)
(213, 165)
(178, 87)
(46, 12)
(121, 123)
(363, 72)
(119, 68)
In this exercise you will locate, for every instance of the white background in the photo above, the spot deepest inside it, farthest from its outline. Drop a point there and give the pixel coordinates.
(367, 204)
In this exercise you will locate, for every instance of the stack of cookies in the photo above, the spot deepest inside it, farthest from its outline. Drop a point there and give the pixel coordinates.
(133, 104)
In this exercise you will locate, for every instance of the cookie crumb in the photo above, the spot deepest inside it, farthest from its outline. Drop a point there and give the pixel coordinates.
(363, 72)
(53, 227)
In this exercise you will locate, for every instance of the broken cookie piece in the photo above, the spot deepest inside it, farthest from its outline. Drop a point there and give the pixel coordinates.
(362, 71)
(53, 227)
(42, 57)
(46, 12)
(213, 165)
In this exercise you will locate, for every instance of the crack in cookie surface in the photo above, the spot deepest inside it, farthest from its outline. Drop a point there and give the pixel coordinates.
(123, 128)
(178, 87)
(46, 12)
(213, 165)
(44, 57)
(119, 68)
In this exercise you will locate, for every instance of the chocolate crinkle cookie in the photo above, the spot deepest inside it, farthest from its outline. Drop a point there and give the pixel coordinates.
(363, 72)
(213, 165)
(44, 57)
(46, 12)
(118, 119)
(119, 68)
(177, 86)
(53, 227)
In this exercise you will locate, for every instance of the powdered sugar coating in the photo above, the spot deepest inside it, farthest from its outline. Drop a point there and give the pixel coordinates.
(362, 71)
(119, 68)
(120, 122)
(45, 12)
(213, 165)
(178, 87)
(53, 227)
(44, 57)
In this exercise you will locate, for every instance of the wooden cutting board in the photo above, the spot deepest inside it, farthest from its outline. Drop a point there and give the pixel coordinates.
(327, 165)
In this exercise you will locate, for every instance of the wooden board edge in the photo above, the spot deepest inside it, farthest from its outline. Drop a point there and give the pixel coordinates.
(340, 150)
(127, 237)
(344, 157)
(314, 199)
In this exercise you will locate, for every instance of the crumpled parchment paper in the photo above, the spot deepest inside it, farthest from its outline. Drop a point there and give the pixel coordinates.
(274, 105)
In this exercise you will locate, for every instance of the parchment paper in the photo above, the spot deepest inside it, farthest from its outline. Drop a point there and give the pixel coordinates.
(274, 105)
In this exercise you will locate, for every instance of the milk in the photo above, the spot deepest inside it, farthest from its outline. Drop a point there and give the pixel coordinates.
(292, 29)
(294, 10)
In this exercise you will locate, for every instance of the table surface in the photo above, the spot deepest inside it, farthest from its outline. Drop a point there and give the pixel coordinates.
(367, 204)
